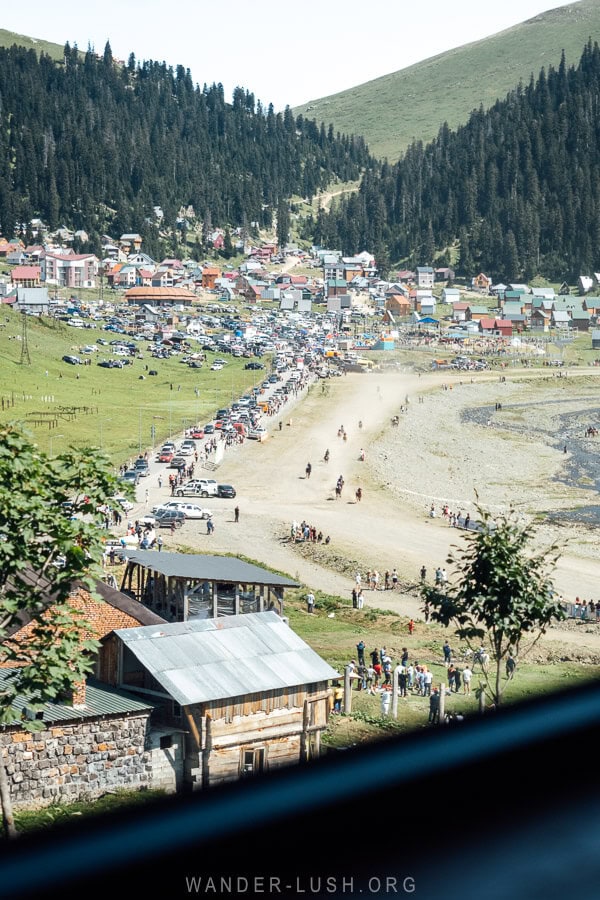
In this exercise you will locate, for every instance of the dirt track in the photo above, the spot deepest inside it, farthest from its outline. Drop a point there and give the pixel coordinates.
(380, 532)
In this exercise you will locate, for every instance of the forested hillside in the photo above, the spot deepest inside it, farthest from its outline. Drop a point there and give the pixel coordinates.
(518, 187)
(90, 144)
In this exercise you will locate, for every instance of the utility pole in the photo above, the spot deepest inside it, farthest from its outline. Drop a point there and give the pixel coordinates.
(25, 357)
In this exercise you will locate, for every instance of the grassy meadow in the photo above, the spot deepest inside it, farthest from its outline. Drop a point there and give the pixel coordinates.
(411, 104)
(122, 408)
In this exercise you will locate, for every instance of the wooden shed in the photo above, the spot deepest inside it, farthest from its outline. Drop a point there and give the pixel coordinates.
(249, 692)
(184, 586)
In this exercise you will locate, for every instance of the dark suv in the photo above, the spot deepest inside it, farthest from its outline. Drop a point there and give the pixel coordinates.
(166, 517)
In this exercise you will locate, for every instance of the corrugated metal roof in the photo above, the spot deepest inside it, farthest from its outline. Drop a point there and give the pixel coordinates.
(213, 659)
(100, 700)
(207, 568)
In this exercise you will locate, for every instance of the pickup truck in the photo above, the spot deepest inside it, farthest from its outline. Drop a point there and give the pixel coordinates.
(199, 487)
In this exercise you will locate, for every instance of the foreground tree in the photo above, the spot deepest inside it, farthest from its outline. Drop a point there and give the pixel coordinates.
(502, 599)
(49, 543)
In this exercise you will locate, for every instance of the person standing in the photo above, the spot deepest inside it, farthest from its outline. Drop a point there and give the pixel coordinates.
(434, 707)
(360, 649)
(423, 573)
(451, 674)
(457, 680)
(511, 665)
(466, 678)
(236, 514)
(310, 602)
(159, 543)
(447, 653)
(338, 694)
(427, 682)
(394, 579)
(354, 598)
(360, 600)
(411, 626)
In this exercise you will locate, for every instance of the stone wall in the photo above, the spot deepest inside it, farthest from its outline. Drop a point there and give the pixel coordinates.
(76, 761)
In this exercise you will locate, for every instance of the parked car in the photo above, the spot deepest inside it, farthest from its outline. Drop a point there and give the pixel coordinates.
(132, 476)
(257, 434)
(254, 365)
(225, 490)
(199, 487)
(141, 466)
(165, 456)
(165, 518)
(197, 433)
(178, 462)
(72, 360)
(121, 501)
(190, 510)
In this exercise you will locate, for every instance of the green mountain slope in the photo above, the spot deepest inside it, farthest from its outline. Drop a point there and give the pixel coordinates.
(392, 111)
(8, 38)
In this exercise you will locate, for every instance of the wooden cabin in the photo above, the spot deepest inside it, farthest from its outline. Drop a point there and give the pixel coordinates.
(242, 694)
(184, 586)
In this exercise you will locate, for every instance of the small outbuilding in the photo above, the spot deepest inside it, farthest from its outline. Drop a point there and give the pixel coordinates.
(184, 586)
(248, 692)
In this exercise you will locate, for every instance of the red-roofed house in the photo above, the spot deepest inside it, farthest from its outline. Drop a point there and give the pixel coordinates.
(26, 276)
(460, 311)
(502, 327)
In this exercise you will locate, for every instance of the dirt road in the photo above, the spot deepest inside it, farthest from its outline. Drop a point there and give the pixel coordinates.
(379, 532)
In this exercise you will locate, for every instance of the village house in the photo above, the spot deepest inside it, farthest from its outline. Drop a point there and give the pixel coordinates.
(93, 740)
(398, 304)
(475, 313)
(481, 283)
(241, 694)
(459, 312)
(540, 319)
(34, 301)
(130, 243)
(450, 295)
(585, 284)
(499, 327)
(424, 277)
(26, 276)
(209, 277)
(560, 319)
